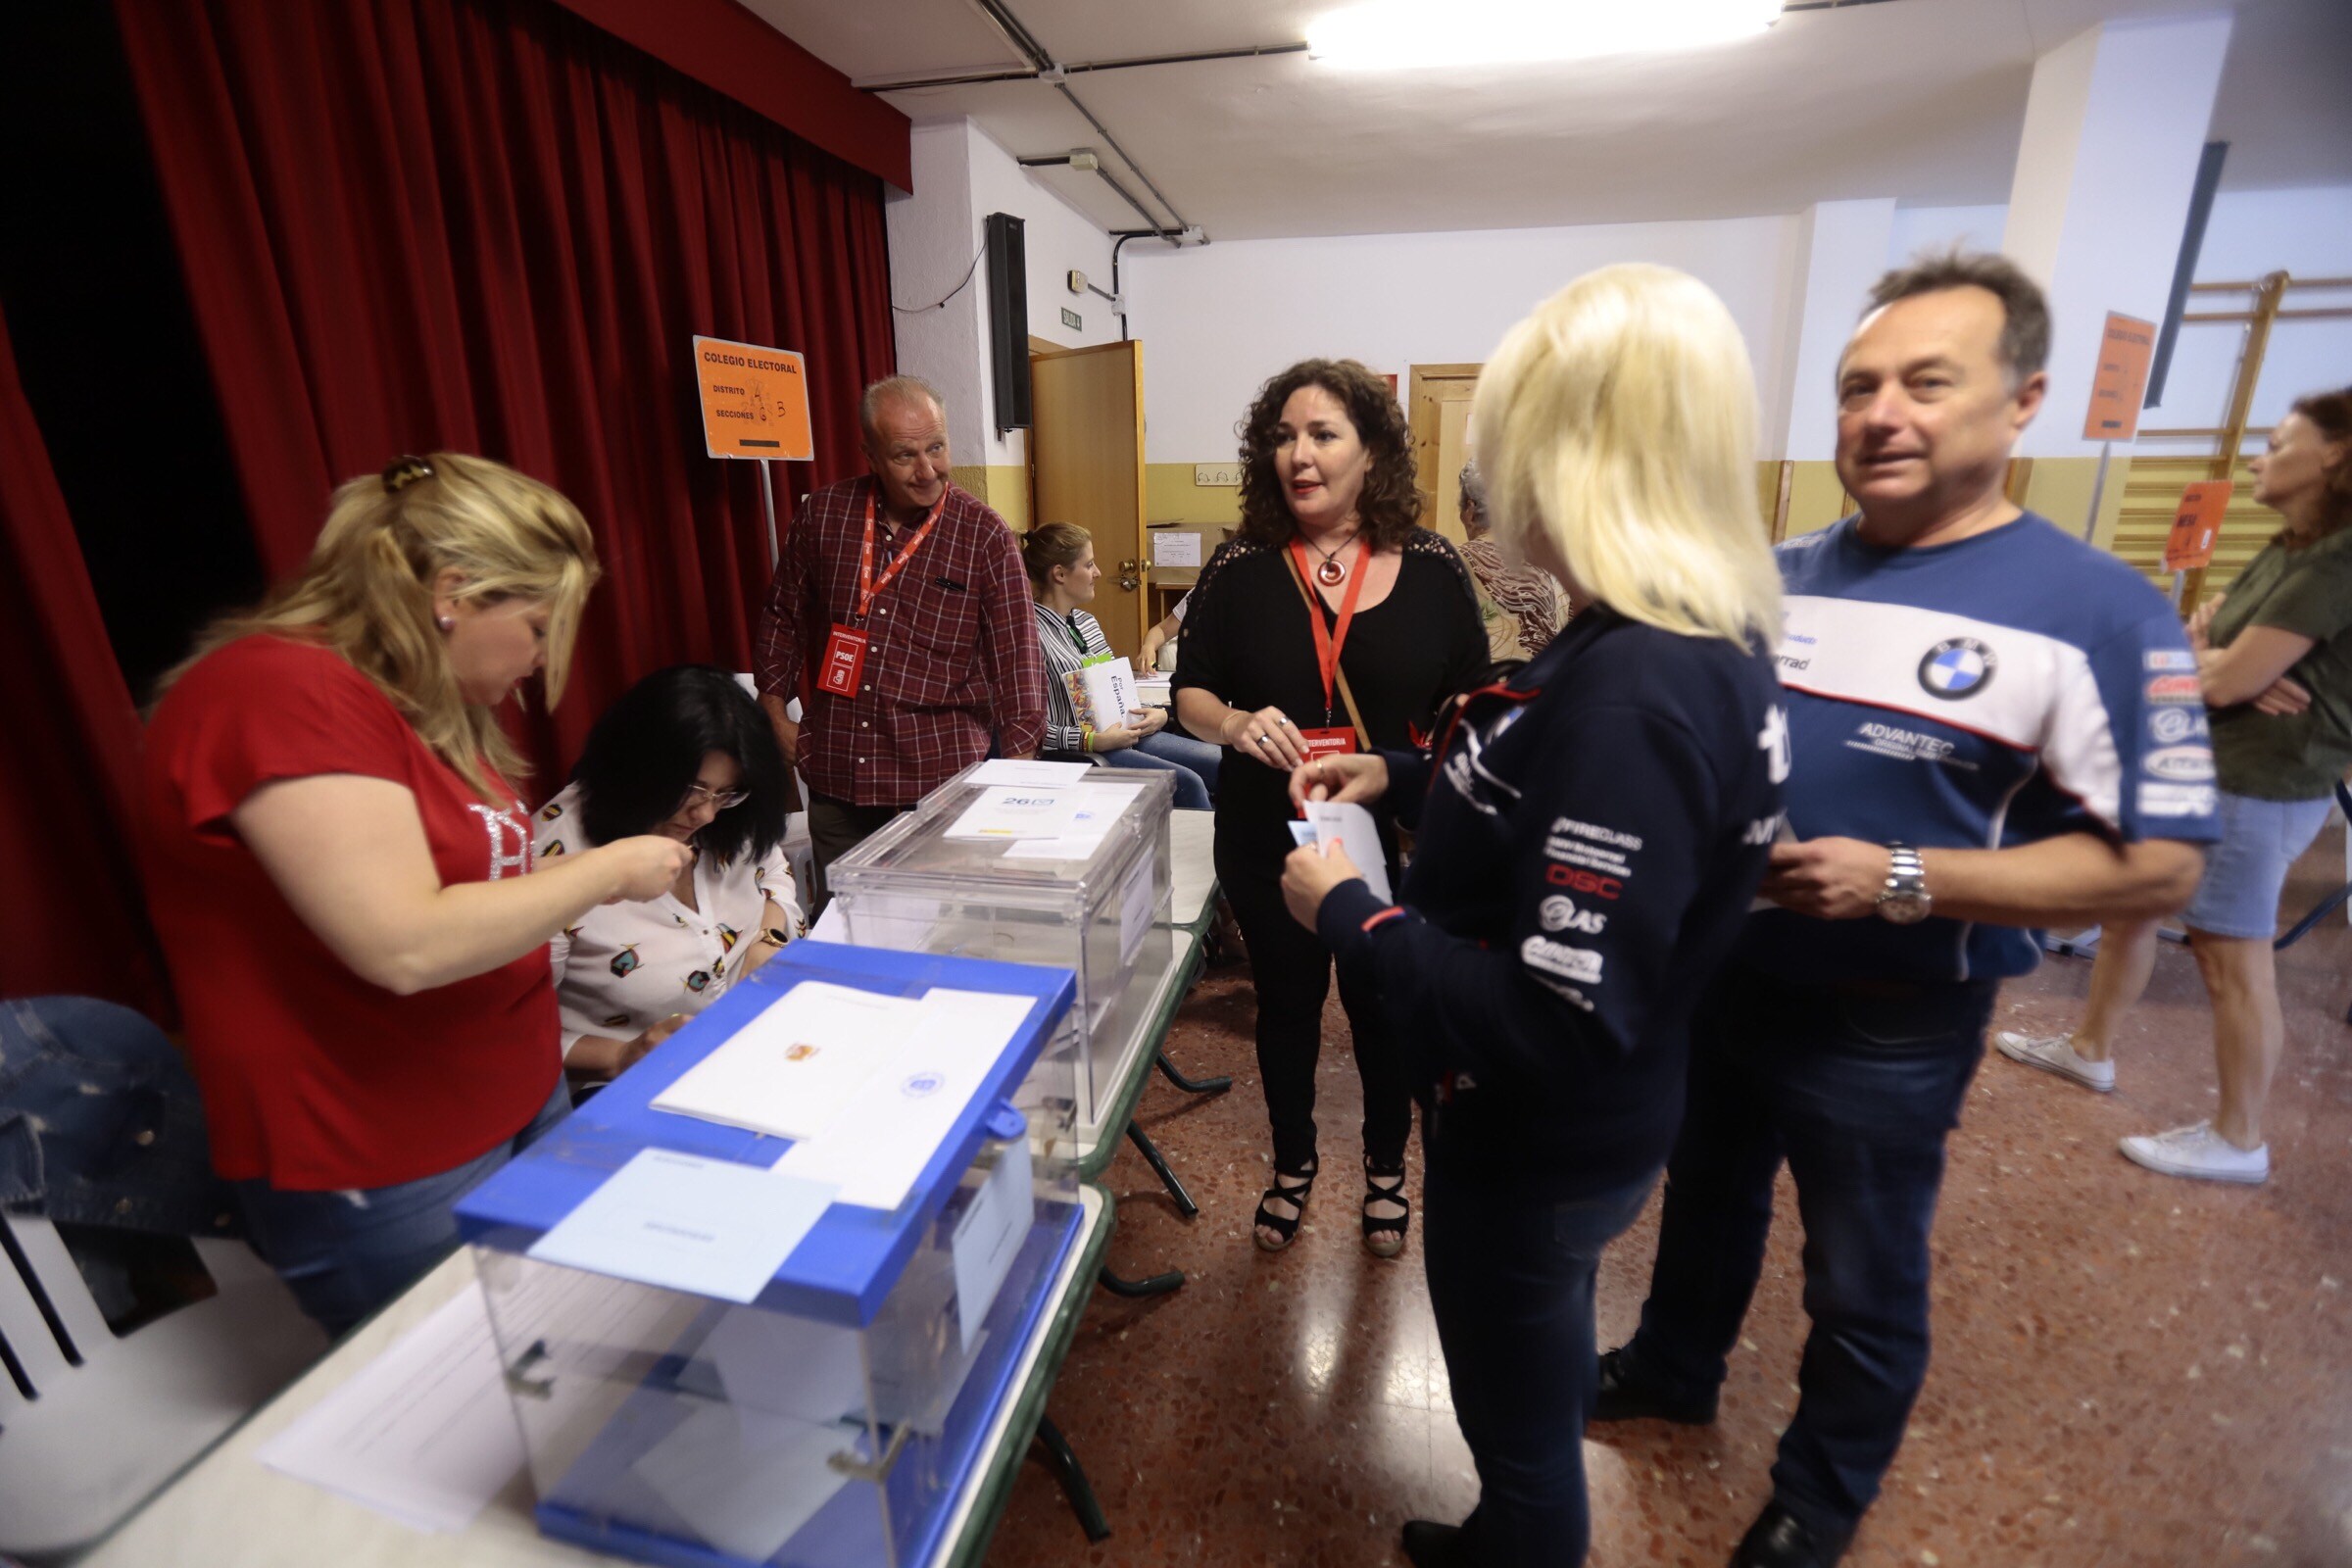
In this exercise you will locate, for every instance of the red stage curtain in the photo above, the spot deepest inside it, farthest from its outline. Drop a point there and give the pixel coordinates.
(72, 921)
(485, 226)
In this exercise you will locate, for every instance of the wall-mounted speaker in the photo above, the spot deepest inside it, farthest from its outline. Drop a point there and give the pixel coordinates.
(1009, 318)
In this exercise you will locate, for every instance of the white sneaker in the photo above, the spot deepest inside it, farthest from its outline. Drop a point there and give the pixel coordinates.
(2201, 1152)
(2056, 1053)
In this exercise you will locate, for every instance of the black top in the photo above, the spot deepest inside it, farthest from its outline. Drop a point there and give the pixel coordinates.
(1588, 850)
(1247, 641)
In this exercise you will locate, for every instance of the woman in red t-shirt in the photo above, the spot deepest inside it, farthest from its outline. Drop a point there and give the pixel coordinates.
(336, 855)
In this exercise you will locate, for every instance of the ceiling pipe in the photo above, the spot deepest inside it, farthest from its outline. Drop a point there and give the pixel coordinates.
(1001, 16)
(1193, 56)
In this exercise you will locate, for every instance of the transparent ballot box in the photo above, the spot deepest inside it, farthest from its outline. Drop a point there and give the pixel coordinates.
(1072, 875)
(831, 1419)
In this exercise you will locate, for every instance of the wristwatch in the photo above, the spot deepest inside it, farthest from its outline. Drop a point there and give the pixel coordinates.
(1906, 900)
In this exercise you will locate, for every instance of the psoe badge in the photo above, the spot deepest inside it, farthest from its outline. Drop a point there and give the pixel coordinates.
(1957, 667)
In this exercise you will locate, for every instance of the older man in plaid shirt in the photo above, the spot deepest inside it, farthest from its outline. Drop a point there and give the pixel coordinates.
(904, 600)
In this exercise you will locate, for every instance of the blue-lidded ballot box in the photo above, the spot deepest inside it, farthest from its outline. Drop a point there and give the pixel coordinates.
(730, 1345)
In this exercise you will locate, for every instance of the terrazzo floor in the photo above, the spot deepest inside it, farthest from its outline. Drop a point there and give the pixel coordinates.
(2132, 1371)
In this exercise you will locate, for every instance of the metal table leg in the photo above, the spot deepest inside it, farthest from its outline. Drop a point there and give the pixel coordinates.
(1167, 1177)
(1071, 1477)
(1191, 1085)
(1137, 1289)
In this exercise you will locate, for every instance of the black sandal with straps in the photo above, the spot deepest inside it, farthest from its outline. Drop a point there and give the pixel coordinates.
(1296, 1197)
(1384, 1238)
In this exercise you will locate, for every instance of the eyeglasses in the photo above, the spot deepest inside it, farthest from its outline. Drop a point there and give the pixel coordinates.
(696, 796)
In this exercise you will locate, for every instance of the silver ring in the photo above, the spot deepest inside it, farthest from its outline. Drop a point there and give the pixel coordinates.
(1285, 722)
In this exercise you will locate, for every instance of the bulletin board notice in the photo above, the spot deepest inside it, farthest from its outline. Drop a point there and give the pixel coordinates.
(755, 401)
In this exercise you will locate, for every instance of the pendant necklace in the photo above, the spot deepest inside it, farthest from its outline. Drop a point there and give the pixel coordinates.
(1333, 572)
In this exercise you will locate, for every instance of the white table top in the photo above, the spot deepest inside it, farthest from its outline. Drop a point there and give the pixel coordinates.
(230, 1511)
(1191, 867)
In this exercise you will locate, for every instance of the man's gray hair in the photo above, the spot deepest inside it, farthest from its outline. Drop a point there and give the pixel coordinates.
(1472, 487)
(892, 389)
(2025, 346)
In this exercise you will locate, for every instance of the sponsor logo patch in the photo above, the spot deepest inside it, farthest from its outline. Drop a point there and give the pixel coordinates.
(2175, 689)
(1580, 966)
(2161, 658)
(1559, 912)
(2170, 726)
(2182, 765)
(1957, 667)
(2178, 800)
(1580, 880)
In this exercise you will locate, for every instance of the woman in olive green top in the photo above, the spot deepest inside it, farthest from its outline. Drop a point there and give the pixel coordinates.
(2275, 657)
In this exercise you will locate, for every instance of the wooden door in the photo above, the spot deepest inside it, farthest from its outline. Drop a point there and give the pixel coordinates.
(1440, 412)
(1086, 461)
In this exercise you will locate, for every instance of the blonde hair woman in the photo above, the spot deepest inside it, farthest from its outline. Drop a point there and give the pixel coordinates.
(1590, 832)
(335, 852)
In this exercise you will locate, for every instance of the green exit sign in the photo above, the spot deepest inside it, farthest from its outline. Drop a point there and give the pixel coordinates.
(1072, 319)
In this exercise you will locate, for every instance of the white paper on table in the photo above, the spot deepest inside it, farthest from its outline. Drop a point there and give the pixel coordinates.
(990, 1234)
(1098, 807)
(423, 1433)
(746, 1486)
(833, 925)
(708, 1227)
(1016, 812)
(790, 1070)
(1002, 771)
(1351, 826)
(886, 1135)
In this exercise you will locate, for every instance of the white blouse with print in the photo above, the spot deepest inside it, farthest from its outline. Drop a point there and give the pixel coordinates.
(624, 967)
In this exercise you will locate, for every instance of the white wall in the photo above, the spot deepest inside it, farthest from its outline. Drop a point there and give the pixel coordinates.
(961, 176)
(2307, 233)
(1217, 320)
(1936, 228)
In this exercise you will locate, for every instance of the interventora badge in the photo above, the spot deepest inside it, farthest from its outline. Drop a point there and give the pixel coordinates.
(1957, 667)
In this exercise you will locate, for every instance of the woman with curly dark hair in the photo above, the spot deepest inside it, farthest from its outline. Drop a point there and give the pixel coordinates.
(1331, 624)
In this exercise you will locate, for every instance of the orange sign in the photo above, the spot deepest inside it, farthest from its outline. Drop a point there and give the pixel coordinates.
(755, 401)
(2121, 384)
(2196, 526)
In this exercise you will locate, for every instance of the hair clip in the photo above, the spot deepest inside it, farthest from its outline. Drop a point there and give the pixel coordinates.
(403, 472)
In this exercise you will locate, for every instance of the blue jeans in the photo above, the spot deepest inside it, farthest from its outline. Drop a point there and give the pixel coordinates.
(1510, 1279)
(1857, 1092)
(345, 1253)
(1191, 763)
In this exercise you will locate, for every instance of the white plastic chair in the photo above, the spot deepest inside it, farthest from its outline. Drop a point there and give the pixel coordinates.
(91, 1423)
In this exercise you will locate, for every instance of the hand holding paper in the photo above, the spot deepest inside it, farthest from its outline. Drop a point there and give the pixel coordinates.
(1341, 834)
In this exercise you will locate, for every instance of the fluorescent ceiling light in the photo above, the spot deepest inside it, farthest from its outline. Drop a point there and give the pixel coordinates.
(1404, 35)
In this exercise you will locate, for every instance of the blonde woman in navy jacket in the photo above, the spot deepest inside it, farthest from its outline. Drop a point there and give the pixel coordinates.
(1591, 831)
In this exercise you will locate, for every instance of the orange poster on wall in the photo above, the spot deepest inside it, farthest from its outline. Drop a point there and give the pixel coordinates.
(755, 401)
(2121, 384)
(2196, 526)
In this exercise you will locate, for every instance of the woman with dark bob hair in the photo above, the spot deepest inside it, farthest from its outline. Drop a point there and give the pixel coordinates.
(1274, 666)
(686, 755)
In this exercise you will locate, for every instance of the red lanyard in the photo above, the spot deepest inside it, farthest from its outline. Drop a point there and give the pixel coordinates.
(868, 585)
(1328, 642)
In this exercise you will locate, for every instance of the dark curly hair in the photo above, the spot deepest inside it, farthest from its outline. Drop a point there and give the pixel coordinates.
(1390, 503)
(648, 747)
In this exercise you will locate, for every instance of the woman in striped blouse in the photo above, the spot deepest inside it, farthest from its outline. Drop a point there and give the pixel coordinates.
(1059, 558)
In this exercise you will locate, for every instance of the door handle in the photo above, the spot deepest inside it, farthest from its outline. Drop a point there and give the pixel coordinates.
(1130, 584)
(1130, 567)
